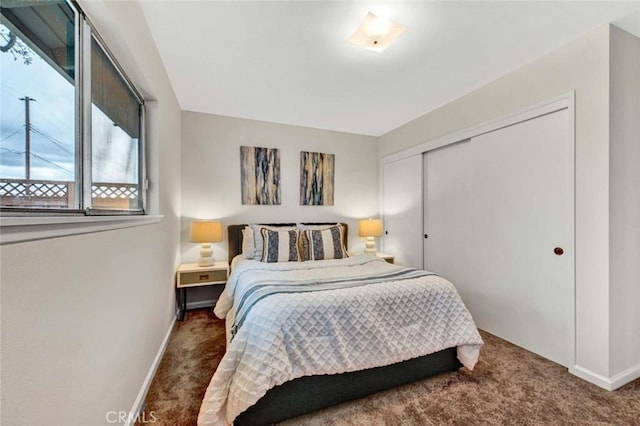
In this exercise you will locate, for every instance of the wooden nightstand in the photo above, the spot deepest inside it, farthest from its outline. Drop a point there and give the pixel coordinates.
(191, 275)
(388, 257)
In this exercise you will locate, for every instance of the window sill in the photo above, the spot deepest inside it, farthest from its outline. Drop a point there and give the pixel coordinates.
(18, 229)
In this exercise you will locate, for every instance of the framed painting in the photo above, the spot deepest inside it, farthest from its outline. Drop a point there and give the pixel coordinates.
(260, 175)
(316, 178)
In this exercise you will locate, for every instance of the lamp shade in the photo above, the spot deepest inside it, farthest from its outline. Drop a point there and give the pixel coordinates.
(370, 228)
(205, 231)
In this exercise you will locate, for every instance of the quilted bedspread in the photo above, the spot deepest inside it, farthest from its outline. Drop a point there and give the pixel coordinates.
(291, 334)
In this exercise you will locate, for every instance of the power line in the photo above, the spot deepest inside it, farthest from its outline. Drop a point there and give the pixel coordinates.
(51, 122)
(15, 132)
(15, 119)
(63, 146)
(14, 151)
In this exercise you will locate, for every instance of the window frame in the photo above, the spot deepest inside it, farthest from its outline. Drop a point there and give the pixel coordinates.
(87, 181)
(84, 33)
(33, 224)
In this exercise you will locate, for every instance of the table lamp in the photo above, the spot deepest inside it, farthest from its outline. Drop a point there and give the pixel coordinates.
(370, 228)
(206, 232)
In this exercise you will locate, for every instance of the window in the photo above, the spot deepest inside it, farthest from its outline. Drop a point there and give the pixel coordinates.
(71, 128)
(115, 137)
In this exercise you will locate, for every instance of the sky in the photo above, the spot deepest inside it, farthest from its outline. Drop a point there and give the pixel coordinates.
(52, 117)
(52, 114)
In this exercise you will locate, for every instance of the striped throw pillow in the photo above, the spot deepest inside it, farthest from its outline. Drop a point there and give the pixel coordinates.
(279, 246)
(257, 236)
(325, 243)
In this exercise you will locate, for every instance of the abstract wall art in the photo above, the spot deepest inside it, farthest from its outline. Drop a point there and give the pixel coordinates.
(316, 178)
(260, 175)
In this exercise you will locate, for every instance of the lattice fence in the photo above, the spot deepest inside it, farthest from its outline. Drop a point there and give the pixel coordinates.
(60, 194)
(114, 191)
(19, 188)
(36, 193)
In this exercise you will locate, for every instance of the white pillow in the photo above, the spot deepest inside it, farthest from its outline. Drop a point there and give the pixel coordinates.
(303, 227)
(248, 245)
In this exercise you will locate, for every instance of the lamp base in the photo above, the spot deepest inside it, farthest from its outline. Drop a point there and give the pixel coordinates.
(370, 246)
(206, 255)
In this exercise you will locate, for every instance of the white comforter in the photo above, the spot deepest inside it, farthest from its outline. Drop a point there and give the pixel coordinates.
(290, 335)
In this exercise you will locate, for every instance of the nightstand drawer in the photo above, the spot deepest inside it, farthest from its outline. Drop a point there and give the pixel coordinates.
(187, 278)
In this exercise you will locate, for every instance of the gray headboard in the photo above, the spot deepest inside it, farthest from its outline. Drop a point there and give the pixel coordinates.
(235, 235)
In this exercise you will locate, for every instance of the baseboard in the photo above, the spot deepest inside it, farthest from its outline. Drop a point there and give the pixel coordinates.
(626, 376)
(202, 304)
(137, 405)
(607, 383)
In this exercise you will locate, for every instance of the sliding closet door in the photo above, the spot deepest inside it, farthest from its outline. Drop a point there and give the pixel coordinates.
(499, 222)
(522, 239)
(447, 192)
(402, 210)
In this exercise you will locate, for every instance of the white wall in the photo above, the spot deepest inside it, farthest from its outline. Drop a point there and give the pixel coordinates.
(211, 175)
(583, 66)
(625, 201)
(84, 316)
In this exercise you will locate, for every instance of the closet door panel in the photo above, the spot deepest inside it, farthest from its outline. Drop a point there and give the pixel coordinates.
(402, 210)
(447, 193)
(521, 209)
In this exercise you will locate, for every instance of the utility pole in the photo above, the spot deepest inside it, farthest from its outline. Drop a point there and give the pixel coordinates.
(27, 140)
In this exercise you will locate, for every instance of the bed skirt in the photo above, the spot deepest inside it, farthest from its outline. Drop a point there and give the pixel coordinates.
(310, 393)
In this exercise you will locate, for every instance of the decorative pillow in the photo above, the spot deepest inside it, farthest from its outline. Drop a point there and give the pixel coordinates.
(257, 237)
(325, 243)
(279, 246)
(303, 246)
(304, 240)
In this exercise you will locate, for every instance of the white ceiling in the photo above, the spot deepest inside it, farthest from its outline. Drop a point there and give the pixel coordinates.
(289, 62)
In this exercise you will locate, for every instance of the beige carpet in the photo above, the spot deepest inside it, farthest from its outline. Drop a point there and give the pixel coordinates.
(509, 386)
(195, 348)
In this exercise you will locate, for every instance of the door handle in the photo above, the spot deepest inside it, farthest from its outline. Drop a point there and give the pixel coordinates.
(426, 236)
(558, 251)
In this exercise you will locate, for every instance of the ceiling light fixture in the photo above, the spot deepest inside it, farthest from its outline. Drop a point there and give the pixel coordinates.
(376, 33)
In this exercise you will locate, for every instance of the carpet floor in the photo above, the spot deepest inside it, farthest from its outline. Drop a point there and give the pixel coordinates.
(509, 386)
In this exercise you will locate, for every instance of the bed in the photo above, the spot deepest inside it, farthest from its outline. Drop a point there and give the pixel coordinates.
(307, 335)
